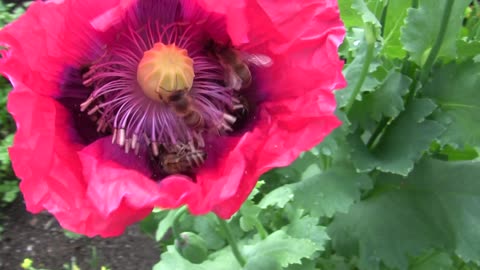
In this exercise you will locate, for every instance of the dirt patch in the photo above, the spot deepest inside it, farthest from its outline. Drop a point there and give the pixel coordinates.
(40, 238)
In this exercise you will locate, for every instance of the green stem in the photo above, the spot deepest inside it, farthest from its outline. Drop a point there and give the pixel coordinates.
(383, 18)
(260, 229)
(414, 3)
(176, 222)
(427, 67)
(231, 241)
(378, 131)
(370, 38)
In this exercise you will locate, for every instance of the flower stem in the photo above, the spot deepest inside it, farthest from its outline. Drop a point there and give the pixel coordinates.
(370, 38)
(260, 229)
(231, 241)
(427, 67)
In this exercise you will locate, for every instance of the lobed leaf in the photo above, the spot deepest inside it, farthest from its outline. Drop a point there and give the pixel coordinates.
(403, 143)
(436, 206)
(454, 87)
(423, 26)
(325, 193)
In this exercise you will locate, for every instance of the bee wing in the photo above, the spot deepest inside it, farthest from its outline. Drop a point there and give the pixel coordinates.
(233, 80)
(260, 60)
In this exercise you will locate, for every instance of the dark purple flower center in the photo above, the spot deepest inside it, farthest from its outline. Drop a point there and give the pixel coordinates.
(167, 87)
(164, 88)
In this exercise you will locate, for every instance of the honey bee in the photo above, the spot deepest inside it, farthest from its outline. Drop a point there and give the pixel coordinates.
(182, 105)
(184, 161)
(240, 110)
(236, 64)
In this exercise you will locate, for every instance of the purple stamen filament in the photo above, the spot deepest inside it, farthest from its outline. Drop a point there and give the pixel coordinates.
(122, 104)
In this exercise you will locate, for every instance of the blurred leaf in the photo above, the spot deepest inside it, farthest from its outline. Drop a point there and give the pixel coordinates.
(72, 235)
(249, 212)
(455, 88)
(423, 26)
(325, 193)
(9, 190)
(278, 247)
(403, 143)
(350, 17)
(285, 249)
(433, 261)
(451, 153)
(278, 197)
(334, 262)
(307, 228)
(263, 263)
(436, 206)
(4, 157)
(468, 49)
(149, 224)
(165, 224)
(207, 228)
(304, 265)
(173, 260)
(365, 13)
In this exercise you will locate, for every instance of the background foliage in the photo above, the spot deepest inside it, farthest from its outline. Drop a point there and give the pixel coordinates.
(8, 183)
(396, 187)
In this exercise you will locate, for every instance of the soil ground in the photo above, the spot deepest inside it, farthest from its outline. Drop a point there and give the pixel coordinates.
(40, 238)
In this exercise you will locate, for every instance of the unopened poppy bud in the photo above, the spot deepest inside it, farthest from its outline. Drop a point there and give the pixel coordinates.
(192, 247)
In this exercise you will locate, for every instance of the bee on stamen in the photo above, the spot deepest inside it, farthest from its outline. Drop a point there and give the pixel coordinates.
(186, 160)
(182, 105)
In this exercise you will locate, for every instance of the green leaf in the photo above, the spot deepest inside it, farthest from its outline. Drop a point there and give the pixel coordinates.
(165, 224)
(8, 190)
(278, 197)
(249, 212)
(433, 261)
(423, 26)
(436, 206)
(283, 248)
(468, 49)
(4, 157)
(350, 17)
(386, 101)
(325, 193)
(396, 14)
(402, 144)
(454, 88)
(304, 265)
(307, 228)
(217, 261)
(352, 74)
(263, 263)
(72, 235)
(207, 227)
(149, 224)
(365, 13)
(334, 262)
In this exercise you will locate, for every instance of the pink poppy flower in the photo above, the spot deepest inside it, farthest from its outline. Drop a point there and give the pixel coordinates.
(126, 105)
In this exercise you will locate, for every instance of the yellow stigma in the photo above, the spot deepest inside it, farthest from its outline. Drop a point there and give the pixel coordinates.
(164, 70)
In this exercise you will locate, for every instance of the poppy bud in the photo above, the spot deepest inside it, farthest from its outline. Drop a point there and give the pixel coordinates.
(192, 247)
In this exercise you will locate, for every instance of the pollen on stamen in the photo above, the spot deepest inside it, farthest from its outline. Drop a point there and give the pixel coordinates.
(163, 70)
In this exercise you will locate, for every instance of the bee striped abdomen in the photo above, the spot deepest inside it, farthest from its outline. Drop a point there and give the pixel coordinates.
(181, 162)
